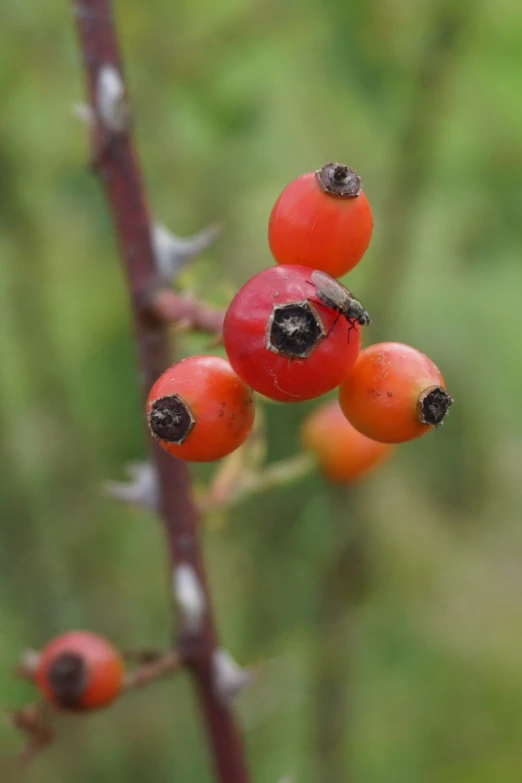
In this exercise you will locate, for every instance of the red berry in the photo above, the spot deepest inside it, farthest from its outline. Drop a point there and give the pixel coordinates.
(283, 340)
(343, 454)
(199, 410)
(394, 393)
(322, 220)
(79, 670)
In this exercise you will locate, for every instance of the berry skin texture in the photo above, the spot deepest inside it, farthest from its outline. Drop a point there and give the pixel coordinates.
(279, 338)
(79, 670)
(344, 454)
(314, 228)
(199, 410)
(394, 393)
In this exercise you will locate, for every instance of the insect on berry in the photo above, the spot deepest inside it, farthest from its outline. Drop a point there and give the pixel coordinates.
(322, 220)
(199, 410)
(335, 295)
(344, 454)
(283, 340)
(79, 670)
(394, 393)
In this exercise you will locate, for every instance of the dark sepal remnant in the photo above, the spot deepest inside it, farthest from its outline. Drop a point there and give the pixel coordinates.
(170, 419)
(434, 403)
(67, 677)
(339, 180)
(294, 329)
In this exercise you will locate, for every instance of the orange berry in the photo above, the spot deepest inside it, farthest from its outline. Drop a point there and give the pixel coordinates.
(394, 393)
(321, 220)
(343, 453)
(79, 670)
(199, 409)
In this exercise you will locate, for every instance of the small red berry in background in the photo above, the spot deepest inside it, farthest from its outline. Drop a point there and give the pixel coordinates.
(283, 341)
(394, 393)
(343, 453)
(199, 410)
(322, 220)
(79, 670)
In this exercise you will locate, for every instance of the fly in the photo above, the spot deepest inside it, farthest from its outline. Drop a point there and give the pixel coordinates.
(334, 295)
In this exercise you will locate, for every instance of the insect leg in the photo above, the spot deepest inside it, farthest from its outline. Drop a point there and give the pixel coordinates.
(351, 322)
(332, 326)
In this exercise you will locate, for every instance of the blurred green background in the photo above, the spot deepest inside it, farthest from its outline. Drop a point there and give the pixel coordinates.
(390, 627)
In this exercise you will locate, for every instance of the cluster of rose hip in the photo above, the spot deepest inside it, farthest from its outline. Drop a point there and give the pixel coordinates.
(291, 333)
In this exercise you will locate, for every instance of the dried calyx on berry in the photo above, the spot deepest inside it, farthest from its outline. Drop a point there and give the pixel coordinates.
(433, 405)
(294, 329)
(339, 180)
(67, 676)
(170, 419)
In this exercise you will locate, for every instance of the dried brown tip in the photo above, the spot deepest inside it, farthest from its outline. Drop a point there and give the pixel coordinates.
(170, 419)
(433, 405)
(336, 179)
(67, 677)
(294, 329)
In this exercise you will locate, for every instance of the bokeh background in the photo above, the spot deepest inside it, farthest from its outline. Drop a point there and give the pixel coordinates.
(390, 625)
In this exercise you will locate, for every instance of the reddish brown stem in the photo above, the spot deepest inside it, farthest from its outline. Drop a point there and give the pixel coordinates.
(152, 670)
(120, 179)
(32, 721)
(169, 307)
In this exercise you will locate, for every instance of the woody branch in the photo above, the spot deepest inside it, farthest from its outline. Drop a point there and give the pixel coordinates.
(116, 165)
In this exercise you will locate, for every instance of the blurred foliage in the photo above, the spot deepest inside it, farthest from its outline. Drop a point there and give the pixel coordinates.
(409, 650)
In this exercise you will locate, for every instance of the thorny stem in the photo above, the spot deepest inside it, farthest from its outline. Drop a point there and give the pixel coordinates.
(119, 175)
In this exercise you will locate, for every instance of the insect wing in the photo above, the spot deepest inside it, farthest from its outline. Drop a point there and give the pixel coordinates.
(330, 288)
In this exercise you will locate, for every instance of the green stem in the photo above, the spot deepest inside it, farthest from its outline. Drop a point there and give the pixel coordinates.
(415, 152)
(250, 484)
(342, 586)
